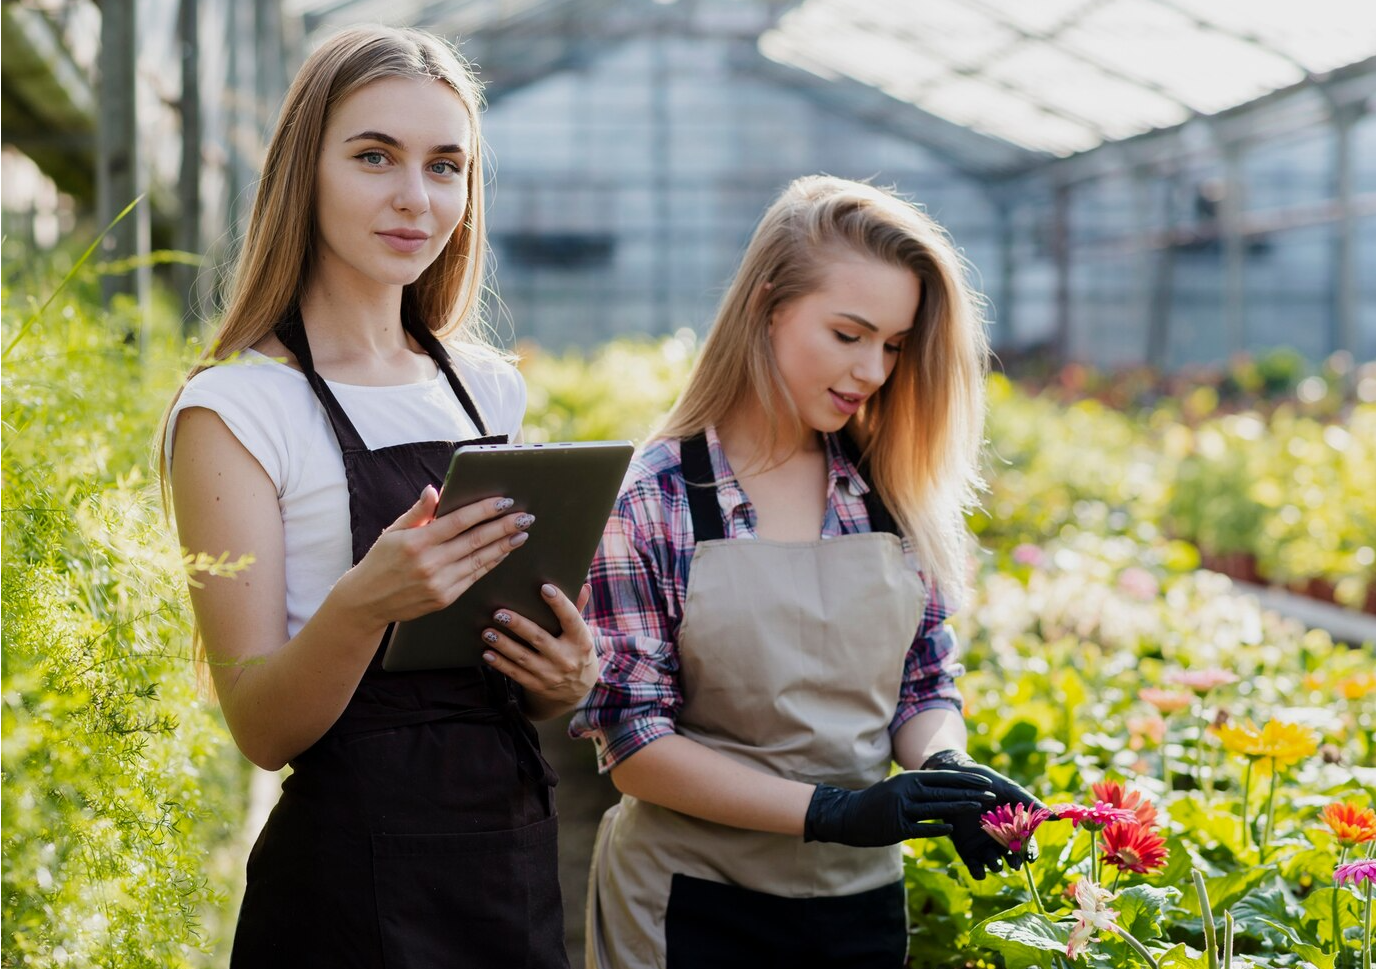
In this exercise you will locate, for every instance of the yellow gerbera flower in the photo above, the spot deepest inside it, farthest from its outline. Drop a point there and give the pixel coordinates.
(1240, 737)
(1358, 686)
(1286, 744)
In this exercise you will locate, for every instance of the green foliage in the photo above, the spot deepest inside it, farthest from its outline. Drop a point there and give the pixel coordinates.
(121, 787)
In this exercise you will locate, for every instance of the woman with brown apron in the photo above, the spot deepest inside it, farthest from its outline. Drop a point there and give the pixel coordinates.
(769, 603)
(417, 828)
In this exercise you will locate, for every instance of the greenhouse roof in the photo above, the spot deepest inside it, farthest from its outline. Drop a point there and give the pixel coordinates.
(1026, 78)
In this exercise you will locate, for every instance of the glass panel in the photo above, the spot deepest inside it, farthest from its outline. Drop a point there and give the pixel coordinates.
(1295, 171)
(1289, 286)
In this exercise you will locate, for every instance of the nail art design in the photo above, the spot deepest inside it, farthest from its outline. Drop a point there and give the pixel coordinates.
(490, 637)
(504, 618)
(504, 503)
(524, 521)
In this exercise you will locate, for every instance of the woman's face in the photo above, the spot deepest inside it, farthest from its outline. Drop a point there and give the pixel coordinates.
(837, 345)
(391, 183)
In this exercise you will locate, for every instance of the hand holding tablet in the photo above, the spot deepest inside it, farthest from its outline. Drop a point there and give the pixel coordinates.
(570, 488)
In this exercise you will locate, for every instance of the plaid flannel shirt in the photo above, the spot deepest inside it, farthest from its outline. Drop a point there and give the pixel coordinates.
(639, 583)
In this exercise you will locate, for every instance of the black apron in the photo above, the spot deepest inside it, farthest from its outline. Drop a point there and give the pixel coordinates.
(419, 832)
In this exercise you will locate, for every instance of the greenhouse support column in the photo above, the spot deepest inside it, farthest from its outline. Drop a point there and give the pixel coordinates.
(189, 178)
(1142, 253)
(1234, 252)
(119, 175)
(1003, 309)
(1060, 245)
(1345, 337)
(267, 26)
(663, 184)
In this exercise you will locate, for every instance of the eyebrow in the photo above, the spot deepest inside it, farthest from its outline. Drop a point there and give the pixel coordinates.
(868, 325)
(387, 139)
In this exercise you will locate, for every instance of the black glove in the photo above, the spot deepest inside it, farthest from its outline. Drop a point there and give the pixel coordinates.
(977, 849)
(897, 808)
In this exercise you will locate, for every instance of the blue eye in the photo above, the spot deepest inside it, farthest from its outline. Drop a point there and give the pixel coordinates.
(445, 167)
(371, 157)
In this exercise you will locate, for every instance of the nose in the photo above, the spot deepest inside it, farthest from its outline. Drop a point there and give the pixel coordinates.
(411, 195)
(871, 369)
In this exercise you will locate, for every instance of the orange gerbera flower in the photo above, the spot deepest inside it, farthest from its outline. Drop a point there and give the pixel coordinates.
(1133, 848)
(1351, 823)
(1166, 701)
(1357, 686)
(1115, 793)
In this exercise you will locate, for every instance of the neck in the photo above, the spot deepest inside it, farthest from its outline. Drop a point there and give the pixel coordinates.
(346, 319)
(745, 438)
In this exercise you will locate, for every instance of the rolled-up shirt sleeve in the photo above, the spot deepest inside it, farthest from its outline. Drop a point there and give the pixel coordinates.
(932, 665)
(633, 616)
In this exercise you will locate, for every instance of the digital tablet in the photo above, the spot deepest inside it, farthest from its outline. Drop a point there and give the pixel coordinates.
(570, 489)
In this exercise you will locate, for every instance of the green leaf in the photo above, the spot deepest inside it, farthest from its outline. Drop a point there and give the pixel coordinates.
(1024, 937)
(1142, 908)
(1226, 890)
(1318, 908)
(1182, 957)
(1320, 958)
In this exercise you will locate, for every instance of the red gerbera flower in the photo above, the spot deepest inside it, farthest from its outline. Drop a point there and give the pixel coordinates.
(1117, 794)
(1134, 848)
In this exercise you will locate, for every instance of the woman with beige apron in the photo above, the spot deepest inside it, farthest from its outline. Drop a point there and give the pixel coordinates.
(767, 608)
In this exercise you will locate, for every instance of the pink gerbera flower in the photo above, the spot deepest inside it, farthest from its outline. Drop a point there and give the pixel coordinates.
(1356, 872)
(1012, 826)
(1095, 818)
(1201, 681)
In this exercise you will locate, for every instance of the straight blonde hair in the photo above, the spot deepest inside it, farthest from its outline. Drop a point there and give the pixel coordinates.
(922, 431)
(274, 267)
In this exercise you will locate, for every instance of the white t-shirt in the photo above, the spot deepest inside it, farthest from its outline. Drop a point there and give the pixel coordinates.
(272, 410)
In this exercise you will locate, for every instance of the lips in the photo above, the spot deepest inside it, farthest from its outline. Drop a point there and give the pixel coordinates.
(846, 403)
(404, 240)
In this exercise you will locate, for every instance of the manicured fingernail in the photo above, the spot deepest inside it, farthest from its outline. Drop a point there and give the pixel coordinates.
(517, 540)
(548, 590)
(504, 618)
(502, 504)
(490, 657)
(490, 636)
(524, 521)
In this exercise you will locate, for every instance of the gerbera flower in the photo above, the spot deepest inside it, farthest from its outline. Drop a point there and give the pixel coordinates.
(1286, 744)
(1134, 848)
(1357, 686)
(1166, 701)
(1094, 818)
(1356, 872)
(1240, 737)
(1092, 916)
(1201, 681)
(1115, 793)
(1013, 826)
(1350, 822)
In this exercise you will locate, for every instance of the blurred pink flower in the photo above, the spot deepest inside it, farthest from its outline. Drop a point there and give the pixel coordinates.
(1167, 701)
(1138, 583)
(1095, 818)
(1012, 826)
(1201, 681)
(1028, 554)
(1091, 916)
(1356, 872)
(1145, 728)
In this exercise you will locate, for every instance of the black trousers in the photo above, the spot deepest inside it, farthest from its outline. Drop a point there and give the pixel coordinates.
(725, 926)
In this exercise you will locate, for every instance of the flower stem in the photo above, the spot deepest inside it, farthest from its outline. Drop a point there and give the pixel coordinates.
(1032, 886)
(1116, 879)
(1337, 928)
(1366, 929)
(1165, 757)
(1210, 936)
(1094, 856)
(1246, 796)
(1270, 812)
(1227, 940)
(1136, 946)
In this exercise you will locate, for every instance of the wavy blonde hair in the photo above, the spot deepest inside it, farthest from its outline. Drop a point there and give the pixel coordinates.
(278, 254)
(923, 430)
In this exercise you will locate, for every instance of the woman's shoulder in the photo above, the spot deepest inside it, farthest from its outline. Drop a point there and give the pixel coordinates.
(249, 377)
(655, 476)
(491, 377)
(483, 362)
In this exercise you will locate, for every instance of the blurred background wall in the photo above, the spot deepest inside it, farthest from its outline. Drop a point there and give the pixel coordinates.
(1132, 181)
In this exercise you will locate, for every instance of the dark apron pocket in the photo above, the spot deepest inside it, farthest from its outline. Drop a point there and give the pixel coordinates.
(488, 898)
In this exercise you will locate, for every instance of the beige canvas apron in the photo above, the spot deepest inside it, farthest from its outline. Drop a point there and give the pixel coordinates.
(792, 657)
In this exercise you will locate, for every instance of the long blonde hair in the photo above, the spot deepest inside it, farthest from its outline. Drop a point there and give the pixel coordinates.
(278, 253)
(923, 430)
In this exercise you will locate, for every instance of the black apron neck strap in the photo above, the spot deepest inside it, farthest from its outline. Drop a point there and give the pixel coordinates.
(880, 518)
(431, 344)
(292, 332)
(702, 489)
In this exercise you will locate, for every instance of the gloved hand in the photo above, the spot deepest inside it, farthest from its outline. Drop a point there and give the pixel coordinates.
(977, 849)
(897, 808)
